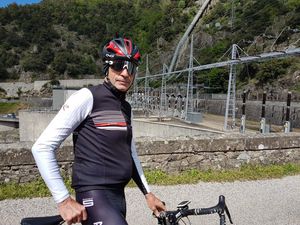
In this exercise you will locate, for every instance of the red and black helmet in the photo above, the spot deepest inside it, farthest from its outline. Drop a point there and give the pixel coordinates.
(122, 49)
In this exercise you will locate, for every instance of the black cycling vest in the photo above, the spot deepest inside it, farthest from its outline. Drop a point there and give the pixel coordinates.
(102, 143)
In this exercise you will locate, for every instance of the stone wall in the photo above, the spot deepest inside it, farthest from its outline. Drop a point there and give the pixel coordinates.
(171, 155)
(220, 152)
(12, 89)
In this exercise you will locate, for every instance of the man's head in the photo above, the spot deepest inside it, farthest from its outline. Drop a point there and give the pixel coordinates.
(120, 60)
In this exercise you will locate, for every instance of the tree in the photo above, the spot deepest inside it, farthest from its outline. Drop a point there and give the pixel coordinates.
(3, 72)
(271, 70)
(60, 62)
(33, 62)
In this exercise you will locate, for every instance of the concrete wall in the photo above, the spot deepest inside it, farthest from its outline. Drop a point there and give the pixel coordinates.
(69, 83)
(5, 128)
(80, 83)
(32, 124)
(171, 155)
(143, 128)
(275, 111)
(30, 129)
(7, 124)
(60, 96)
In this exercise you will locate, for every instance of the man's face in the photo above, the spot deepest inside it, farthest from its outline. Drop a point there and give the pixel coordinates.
(122, 80)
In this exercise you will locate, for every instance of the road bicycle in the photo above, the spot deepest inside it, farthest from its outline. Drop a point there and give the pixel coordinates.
(165, 218)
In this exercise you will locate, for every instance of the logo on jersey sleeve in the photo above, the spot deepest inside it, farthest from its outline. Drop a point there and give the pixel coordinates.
(109, 120)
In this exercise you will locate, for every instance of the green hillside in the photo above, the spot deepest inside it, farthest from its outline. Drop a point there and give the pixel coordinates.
(61, 39)
(257, 26)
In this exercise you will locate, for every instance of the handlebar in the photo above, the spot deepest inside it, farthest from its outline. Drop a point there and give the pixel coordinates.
(173, 217)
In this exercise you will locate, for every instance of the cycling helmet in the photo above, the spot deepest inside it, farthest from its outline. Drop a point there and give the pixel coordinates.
(120, 49)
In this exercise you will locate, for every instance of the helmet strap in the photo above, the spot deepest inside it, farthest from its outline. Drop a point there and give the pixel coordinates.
(105, 69)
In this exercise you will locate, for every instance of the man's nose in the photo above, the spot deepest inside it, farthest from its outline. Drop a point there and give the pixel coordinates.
(125, 72)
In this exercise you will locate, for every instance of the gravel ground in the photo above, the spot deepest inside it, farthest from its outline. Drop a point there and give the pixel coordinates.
(266, 202)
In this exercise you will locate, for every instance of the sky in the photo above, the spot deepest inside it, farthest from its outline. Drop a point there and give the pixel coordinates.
(4, 3)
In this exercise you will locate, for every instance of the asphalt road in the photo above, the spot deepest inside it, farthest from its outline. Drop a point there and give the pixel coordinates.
(266, 202)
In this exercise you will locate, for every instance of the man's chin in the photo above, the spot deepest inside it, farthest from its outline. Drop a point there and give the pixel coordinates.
(122, 88)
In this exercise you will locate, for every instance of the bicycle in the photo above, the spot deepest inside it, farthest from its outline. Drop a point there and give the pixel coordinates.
(165, 218)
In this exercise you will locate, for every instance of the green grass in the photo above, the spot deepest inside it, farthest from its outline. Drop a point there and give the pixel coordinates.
(156, 177)
(10, 107)
(247, 172)
(27, 190)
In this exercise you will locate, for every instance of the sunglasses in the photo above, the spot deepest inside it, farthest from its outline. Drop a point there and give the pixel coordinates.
(119, 65)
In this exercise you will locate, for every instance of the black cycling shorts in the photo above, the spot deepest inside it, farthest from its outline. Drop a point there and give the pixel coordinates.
(104, 207)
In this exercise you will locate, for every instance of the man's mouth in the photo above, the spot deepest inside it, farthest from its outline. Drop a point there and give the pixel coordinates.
(122, 81)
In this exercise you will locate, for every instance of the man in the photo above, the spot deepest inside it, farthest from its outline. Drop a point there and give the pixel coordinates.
(105, 157)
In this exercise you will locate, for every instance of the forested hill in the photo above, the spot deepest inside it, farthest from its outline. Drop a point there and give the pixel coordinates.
(61, 39)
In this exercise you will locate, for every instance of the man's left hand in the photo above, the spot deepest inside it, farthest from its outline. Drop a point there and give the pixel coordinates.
(155, 204)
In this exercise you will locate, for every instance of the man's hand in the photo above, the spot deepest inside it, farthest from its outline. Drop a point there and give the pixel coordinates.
(71, 211)
(154, 203)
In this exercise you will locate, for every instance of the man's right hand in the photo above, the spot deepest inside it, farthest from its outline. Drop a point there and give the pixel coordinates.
(71, 211)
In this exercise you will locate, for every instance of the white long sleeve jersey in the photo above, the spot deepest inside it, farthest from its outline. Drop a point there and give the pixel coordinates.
(77, 110)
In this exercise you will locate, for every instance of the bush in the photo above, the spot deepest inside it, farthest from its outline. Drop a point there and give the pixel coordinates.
(60, 62)
(55, 82)
(214, 80)
(271, 70)
(3, 72)
(8, 59)
(33, 62)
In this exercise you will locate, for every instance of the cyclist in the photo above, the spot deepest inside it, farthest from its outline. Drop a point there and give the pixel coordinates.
(105, 157)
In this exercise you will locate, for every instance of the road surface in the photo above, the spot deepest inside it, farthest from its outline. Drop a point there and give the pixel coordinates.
(265, 202)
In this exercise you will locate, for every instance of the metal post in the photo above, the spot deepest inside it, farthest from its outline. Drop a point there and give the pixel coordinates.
(287, 124)
(263, 114)
(146, 88)
(189, 88)
(243, 119)
(135, 91)
(230, 101)
(163, 93)
(187, 33)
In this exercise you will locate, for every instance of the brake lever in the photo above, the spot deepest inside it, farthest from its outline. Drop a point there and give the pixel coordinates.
(228, 214)
(224, 207)
(161, 220)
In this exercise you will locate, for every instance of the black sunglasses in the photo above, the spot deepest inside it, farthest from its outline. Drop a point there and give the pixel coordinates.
(119, 65)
